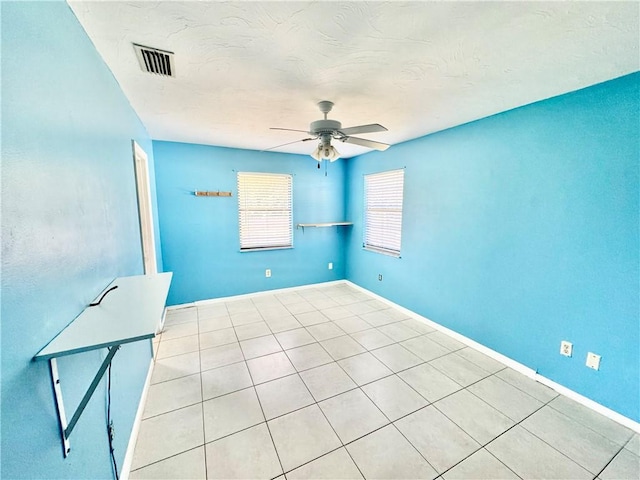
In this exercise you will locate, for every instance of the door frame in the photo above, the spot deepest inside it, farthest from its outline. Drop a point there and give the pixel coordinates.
(145, 210)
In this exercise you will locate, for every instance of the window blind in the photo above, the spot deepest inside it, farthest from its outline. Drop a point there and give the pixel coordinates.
(264, 210)
(383, 211)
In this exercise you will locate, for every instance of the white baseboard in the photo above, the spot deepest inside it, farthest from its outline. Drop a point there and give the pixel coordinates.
(519, 367)
(162, 320)
(587, 402)
(509, 362)
(128, 457)
(277, 291)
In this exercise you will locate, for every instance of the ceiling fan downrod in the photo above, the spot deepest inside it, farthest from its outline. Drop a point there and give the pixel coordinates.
(325, 107)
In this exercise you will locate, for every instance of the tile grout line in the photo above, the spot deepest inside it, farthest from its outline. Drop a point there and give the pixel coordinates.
(154, 416)
(301, 408)
(560, 452)
(429, 403)
(317, 403)
(545, 404)
(423, 362)
(317, 366)
(306, 327)
(342, 444)
(500, 461)
(204, 433)
(201, 391)
(266, 422)
(297, 372)
(392, 423)
(608, 463)
(367, 350)
(173, 455)
(483, 446)
(588, 427)
(252, 386)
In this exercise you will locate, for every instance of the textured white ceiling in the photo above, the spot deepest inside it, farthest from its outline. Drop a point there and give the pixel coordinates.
(414, 67)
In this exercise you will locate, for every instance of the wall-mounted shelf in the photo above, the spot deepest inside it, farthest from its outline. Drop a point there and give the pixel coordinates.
(328, 224)
(130, 312)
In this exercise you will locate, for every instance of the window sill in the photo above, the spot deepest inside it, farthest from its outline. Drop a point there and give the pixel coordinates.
(244, 250)
(382, 251)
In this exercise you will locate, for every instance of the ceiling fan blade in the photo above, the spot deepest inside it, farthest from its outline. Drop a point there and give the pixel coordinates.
(290, 130)
(371, 128)
(366, 143)
(288, 143)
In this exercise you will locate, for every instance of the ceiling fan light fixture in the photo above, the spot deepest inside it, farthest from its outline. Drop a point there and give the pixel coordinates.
(325, 152)
(317, 154)
(325, 130)
(331, 153)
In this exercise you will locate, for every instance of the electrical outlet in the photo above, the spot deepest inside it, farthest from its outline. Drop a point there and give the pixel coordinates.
(380, 277)
(330, 265)
(566, 348)
(267, 273)
(593, 361)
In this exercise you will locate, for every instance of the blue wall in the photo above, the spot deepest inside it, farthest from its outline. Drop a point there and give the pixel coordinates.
(69, 226)
(200, 234)
(521, 230)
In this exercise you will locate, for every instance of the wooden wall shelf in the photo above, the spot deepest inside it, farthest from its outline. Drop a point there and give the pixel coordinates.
(199, 193)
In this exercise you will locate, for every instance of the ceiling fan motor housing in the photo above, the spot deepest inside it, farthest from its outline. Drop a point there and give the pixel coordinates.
(320, 127)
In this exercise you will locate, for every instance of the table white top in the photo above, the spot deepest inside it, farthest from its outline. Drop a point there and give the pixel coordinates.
(129, 313)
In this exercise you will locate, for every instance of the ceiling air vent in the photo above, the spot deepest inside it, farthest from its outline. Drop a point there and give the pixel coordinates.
(156, 61)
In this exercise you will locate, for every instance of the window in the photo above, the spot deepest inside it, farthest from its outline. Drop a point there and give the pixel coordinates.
(264, 211)
(383, 211)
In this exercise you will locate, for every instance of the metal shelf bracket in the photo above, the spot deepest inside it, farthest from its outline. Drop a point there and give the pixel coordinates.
(66, 429)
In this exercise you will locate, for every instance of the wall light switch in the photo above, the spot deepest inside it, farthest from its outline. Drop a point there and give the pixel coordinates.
(330, 265)
(593, 361)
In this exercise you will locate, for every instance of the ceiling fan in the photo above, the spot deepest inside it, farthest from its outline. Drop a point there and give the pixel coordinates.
(325, 130)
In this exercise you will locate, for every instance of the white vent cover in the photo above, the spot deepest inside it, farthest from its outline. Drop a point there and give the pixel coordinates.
(156, 61)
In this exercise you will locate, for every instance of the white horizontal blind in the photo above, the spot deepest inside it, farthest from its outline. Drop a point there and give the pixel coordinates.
(264, 209)
(383, 211)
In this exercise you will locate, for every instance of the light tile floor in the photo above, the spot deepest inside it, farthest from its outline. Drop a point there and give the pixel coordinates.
(329, 383)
